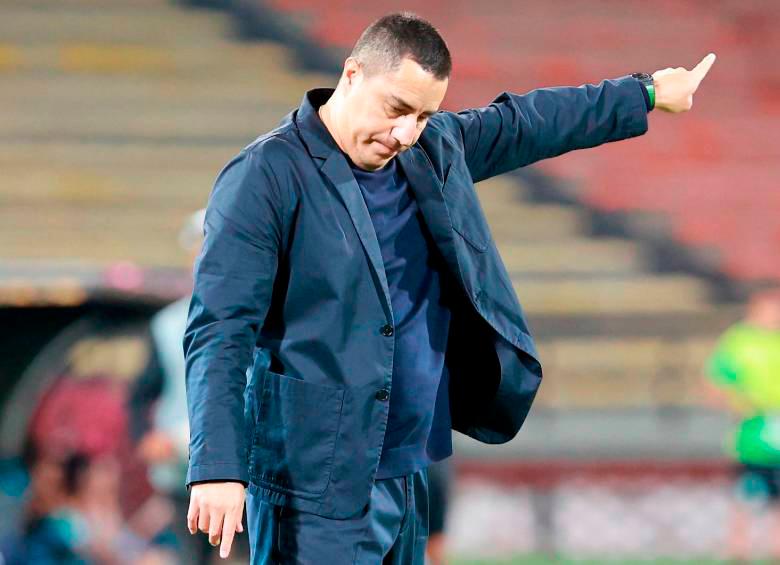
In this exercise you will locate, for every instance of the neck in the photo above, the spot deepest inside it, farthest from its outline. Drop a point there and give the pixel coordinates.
(327, 113)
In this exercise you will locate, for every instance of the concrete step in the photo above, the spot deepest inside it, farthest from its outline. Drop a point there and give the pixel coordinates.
(83, 106)
(80, 4)
(143, 218)
(626, 390)
(154, 123)
(638, 295)
(505, 201)
(670, 325)
(52, 156)
(112, 22)
(524, 222)
(496, 192)
(601, 257)
(241, 83)
(166, 189)
(225, 63)
(609, 354)
(104, 247)
(588, 373)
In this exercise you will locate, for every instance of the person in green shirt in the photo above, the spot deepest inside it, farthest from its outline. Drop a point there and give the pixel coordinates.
(745, 369)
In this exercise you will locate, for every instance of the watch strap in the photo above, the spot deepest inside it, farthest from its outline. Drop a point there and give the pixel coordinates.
(649, 88)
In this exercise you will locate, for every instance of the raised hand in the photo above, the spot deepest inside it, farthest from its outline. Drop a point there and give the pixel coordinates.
(674, 88)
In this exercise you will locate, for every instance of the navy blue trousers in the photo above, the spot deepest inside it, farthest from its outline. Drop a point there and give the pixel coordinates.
(391, 530)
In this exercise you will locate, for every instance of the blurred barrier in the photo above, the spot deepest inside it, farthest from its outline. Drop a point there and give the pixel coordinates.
(604, 511)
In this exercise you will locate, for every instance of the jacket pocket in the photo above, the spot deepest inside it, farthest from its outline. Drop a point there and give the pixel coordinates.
(465, 211)
(294, 439)
(472, 240)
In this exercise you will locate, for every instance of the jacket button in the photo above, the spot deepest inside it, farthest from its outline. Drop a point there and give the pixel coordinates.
(386, 330)
(382, 395)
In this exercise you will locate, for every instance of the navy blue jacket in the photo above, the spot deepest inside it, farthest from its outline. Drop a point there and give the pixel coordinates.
(289, 342)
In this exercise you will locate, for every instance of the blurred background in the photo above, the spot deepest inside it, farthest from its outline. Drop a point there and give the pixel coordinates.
(648, 269)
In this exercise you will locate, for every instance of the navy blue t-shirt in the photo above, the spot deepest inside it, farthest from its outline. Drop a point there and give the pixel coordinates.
(418, 426)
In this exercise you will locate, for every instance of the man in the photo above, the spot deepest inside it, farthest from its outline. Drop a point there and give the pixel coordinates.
(744, 377)
(349, 271)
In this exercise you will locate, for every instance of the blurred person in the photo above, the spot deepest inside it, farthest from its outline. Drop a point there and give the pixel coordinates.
(439, 490)
(45, 493)
(745, 373)
(73, 515)
(76, 419)
(14, 484)
(95, 516)
(164, 434)
(348, 267)
(158, 405)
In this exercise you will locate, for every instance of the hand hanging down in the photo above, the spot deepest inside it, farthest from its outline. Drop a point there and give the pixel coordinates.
(216, 509)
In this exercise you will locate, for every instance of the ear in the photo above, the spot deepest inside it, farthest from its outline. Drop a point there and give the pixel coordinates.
(353, 72)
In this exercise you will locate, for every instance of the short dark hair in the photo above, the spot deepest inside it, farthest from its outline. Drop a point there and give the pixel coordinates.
(394, 37)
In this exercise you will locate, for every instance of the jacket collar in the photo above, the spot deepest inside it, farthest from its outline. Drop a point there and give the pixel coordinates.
(334, 166)
(417, 168)
(321, 144)
(315, 135)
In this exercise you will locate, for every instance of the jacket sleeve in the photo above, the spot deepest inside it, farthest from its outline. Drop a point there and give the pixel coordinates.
(234, 277)
(517, 130)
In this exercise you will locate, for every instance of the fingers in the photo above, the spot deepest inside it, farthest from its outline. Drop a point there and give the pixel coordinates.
(204, 520)
(701, 70)
(215, 526)
(217, 511)
(192, 517)
(229, 530)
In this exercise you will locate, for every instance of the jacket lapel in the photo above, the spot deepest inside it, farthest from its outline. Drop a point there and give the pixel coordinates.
(337, 170)
(334, 166)
(427, 189)
(424, 183)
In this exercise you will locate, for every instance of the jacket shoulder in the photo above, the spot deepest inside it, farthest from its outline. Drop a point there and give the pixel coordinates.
(444, 128)
(268, 166)
(277, 147)
(442, 141)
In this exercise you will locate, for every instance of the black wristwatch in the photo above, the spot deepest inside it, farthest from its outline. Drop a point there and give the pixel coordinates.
(648, 90)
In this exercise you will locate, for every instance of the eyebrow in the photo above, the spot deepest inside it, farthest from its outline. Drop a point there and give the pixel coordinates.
(406, 106)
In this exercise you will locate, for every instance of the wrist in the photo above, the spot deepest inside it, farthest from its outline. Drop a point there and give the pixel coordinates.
(648, 89)
(651, 92)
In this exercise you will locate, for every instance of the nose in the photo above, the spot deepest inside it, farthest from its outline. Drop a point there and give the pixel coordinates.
(404, 132)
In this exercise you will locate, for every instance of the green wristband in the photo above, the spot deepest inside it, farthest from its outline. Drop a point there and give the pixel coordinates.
(647, 81)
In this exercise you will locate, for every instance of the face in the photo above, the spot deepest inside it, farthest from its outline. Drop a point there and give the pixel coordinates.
(765, 310)
(384, 114)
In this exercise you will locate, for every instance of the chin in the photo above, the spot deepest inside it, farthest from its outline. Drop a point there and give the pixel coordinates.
(375, 161)
(382, 161)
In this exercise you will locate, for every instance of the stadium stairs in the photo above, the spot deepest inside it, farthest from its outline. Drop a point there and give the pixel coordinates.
(115, 118)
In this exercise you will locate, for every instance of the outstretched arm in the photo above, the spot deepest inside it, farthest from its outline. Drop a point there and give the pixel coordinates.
(519, 129)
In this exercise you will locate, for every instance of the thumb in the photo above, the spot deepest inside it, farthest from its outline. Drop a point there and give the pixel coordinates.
(701, 70)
